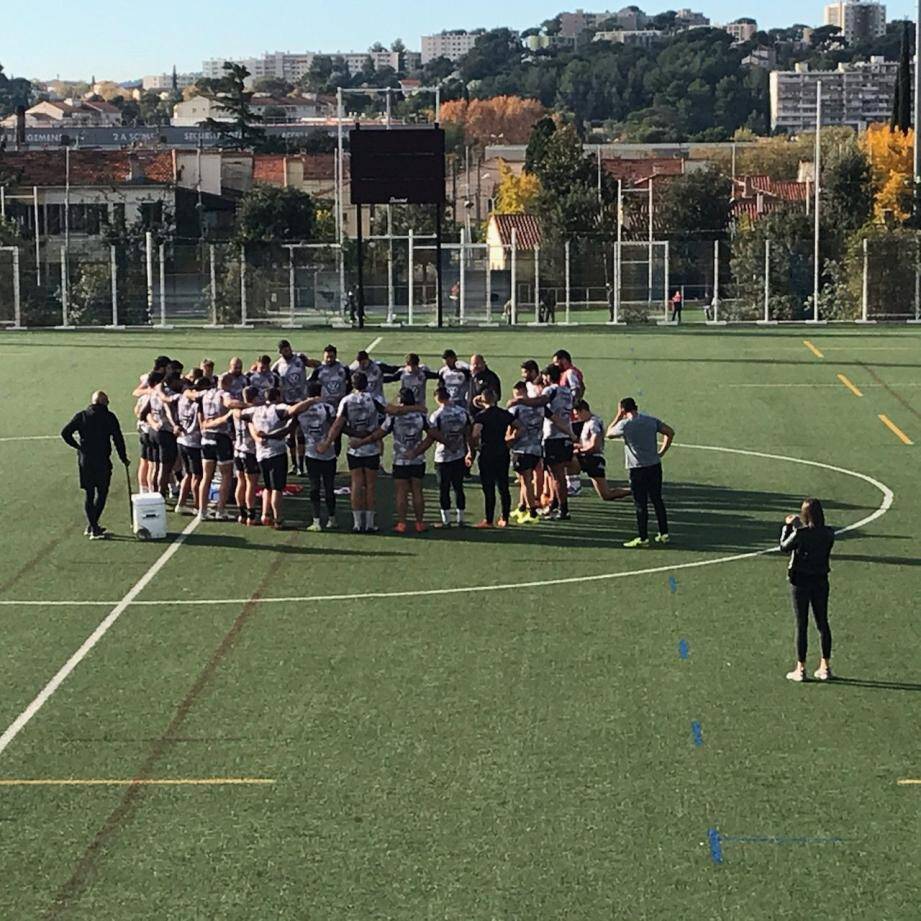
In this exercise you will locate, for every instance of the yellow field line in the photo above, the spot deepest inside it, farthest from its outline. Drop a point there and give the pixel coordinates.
(179, 782)
(850, 386)
(895, 430)
(812, 349)
(909, 783)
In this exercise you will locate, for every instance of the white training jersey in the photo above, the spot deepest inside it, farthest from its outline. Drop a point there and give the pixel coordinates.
(292, 377)
(315, 423)
(263, 381)
(456, 381)
(212, 406)
(591, 429)
(530, 429)
(560, 405)
(243, 442)
(334, 381)
(362, 414)
(267, 418)
(187, 413)
(408, 430)
(452, 422)
(237, 384)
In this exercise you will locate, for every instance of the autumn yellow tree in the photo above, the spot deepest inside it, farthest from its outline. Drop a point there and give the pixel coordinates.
(890, 154)
(516, 192)
(507, 119)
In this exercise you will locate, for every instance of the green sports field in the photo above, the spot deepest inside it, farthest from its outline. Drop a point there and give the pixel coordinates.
(524, 724)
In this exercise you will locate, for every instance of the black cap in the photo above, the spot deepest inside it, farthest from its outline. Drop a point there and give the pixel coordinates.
(449, 353)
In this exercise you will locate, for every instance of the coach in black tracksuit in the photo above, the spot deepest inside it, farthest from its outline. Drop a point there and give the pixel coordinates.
(98, 430)
(489, 430)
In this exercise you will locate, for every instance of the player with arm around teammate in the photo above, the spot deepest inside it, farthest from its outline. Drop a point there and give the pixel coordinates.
(524, 440)
(409, 426)
(359, 414)
(188, 410)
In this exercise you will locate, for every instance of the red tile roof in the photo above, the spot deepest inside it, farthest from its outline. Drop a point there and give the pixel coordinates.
(270, 168)
(528, 234)
(87, 167)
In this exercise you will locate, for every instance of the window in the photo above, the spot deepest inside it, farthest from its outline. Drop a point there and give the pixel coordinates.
(151, 214)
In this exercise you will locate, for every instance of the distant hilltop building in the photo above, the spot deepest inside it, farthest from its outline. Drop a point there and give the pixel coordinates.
(290, 66)
(854, 95)
(156, 83)
(741, 30)
(856, 20)
(452, 44)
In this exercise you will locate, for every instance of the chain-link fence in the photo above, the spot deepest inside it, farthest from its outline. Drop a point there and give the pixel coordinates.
(745, 279)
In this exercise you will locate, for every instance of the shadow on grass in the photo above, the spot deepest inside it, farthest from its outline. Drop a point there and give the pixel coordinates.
(838, 681)
(867, 558)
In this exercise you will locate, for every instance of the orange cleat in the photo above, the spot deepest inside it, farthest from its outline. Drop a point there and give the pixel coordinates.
(399, 527)
(421, 527)
(483, 524)
(502, 523)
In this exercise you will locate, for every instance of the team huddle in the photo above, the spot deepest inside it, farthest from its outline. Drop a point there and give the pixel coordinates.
(209, 441)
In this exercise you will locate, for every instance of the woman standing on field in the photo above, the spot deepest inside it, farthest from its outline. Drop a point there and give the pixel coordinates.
(809, 542)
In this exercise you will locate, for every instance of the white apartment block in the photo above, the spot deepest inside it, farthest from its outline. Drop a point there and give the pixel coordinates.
(452, 45)
(857, 20)
(854, 95)
(741, 30)
(157, 82)
(291, 67)
(630, 19)
(644, 38)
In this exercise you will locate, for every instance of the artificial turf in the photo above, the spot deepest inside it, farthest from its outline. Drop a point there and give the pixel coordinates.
(528, 752)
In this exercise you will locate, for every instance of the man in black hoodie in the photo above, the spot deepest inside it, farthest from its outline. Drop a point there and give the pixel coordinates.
(98, 430)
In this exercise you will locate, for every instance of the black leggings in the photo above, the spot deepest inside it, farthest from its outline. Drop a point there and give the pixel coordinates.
(451, 476)
(493, 476)
(814, 593)
(94, 503)
(646, 486)
(322, 472)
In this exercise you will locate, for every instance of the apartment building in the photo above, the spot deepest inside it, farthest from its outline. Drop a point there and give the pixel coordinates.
(854, 95)
(453, 44)
(857, 20)
(644, 38)
(741, 30)
(157, 83)
(292, 66)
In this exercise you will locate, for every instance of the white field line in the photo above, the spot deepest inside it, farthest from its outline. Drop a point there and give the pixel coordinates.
(376, 342)
(28, 437)
(571, 580)
(45, 693)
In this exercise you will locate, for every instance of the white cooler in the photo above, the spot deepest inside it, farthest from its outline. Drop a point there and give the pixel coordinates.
(149, 516)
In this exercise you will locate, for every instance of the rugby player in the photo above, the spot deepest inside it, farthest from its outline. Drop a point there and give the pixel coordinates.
(589, 452)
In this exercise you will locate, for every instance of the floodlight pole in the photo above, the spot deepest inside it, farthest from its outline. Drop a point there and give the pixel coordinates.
(816, 273)
(917, 113)
(360, 254)
(439, 315)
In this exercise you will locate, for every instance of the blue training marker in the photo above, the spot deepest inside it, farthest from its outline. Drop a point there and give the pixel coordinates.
(697, 733)
(716, 848)
(672, 584)
(683, 649)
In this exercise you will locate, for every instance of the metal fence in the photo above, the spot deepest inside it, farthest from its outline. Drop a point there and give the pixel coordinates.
(146, 282)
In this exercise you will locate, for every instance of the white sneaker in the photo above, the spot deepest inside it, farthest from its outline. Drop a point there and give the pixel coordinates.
(796, 675)
(574, 488)
(823, 674)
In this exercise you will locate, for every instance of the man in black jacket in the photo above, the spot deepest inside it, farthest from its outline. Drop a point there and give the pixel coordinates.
(98, 430)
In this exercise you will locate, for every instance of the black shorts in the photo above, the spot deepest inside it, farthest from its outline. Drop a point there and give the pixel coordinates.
(593, 465)
(149, 450)
(321, 468)
(222, 451)
(245, 463)
(191, 460)
(168, 448)
(522, 463)
(372, 462)
(557, 451)
(275, 472)
(95, 474)
(409, 471)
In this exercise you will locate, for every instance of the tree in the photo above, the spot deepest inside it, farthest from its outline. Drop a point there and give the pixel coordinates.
(273, 86)
(230, 95)
(319, 73)
(695, 206)
(14, 92)
(515, 193)
(486, 120)
(890, 155)
(437, 70)
(901, 103)
(847, 193)
(492, 51)
(537, 143)
(268, 214)
(376, 47)
(398, 46)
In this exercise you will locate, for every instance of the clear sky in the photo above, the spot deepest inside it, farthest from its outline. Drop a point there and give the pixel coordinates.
(50, 38)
